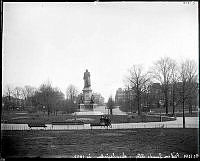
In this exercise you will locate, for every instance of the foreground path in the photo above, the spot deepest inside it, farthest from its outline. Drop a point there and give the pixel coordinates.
(191, 122)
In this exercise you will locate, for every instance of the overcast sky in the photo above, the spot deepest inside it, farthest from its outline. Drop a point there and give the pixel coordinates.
(59, 41)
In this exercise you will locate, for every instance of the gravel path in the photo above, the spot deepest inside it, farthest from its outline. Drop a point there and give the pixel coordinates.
(191, 122)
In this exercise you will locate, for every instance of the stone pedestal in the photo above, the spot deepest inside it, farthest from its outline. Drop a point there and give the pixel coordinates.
(87, 94)
(87, 106)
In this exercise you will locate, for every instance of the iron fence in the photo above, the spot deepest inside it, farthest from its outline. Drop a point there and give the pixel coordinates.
(87, 126)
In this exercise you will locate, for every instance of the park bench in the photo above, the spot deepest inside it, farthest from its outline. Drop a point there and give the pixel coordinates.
(36, 124)
(4, 121)
(77, 122)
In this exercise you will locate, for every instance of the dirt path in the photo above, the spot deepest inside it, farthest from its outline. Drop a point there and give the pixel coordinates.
(191, 122)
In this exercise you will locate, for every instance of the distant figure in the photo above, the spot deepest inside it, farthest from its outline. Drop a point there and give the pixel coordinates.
(92, 99)
(81, 100)
(87, 79)
(102, 120)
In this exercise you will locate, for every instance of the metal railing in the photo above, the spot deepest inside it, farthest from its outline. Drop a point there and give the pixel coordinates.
(87, 126)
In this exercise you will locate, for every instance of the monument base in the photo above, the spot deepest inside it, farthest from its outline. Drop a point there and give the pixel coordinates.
(87, 107)
(88, 113)
(87, 94)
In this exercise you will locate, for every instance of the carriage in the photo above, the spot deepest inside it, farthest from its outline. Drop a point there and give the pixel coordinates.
(104, 121)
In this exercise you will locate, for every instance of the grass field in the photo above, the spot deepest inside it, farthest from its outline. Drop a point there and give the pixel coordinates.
(178, 109)
(95, 143)
(14, 117)
(25, 117)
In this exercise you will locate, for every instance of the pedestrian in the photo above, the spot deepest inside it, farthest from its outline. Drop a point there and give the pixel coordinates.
(101, 120)
(106, 120)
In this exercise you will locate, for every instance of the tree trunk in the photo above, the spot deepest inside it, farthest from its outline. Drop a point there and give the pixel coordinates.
(48, 110)
(190, 106)
(110, 111)
(129, 99)
(183, 112)
(183, 104)
(173, 100)
(173, 112)
(138, 103)
(166, 101)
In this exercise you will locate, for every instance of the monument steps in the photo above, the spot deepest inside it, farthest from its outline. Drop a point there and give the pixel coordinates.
(88, 113)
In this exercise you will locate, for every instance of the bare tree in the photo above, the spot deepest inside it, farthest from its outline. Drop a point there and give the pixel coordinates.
(57, 98)
(162, 72)
(146, 94)
(188, 78)
(18, 95)
(71, 93)
(8, 91)
(28, 93)
(7, 97)
(48, 98)
(43, 96)
(30, 90)
(126, 103)
(174, 80)
(192, 81)
(138, 80)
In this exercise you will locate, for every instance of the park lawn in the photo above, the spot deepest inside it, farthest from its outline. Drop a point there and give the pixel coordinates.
(40, 117)
(178, 109)
(26, 117)
(194, 114)
(178, 114)
(131, 142)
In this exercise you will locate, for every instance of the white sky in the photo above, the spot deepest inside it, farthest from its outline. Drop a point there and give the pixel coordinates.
(59, 41)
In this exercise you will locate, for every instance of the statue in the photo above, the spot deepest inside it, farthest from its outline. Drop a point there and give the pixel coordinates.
(81, 99)
(87, 79)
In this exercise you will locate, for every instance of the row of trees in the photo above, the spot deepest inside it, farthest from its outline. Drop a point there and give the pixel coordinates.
(178, 83)
(17, 97)
(45, 98)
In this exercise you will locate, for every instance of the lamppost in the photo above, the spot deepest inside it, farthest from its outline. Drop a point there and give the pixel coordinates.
(105, 110)
(75, 116)
(129, 100)
(43, 109)
(161, 104)
(174, 111)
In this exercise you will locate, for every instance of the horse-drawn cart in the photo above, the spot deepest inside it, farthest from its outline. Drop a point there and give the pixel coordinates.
(104, 121)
